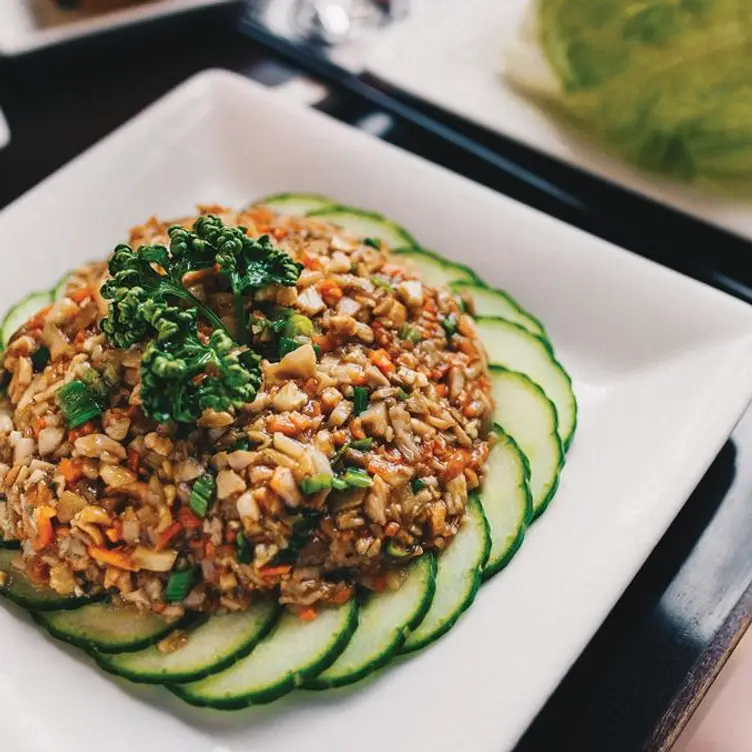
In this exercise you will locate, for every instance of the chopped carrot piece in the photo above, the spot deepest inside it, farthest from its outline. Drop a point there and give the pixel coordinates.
(330, 291)
(83, 430)
(391, 529)
(71, 470)
(81, 294)
(276, 571)
(38, 319)
(300, 421)
(211, 550)
(311, 261)
(442, 390)
(112, 558)
(279, 233)
(282, 424)
(382, 361)
(134, 460)
(112, 535)
(189, 520)
(341, 597)
(167, 536)
(308, 614)
(39, 424)
(45, 531)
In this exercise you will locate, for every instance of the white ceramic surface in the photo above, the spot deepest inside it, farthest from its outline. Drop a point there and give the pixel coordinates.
(662, 367)
(453, 58)
(22, 30)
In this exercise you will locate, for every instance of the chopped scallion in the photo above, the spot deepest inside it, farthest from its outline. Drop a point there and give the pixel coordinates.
(78, 403)
(417, 484)
(203, 490)
(315, 483)
(360, 398)
(362, 445)
(244, 549)
(40, 358)
(179, 585)
(355, 478)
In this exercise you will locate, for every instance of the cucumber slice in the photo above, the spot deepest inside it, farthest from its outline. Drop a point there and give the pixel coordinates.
(506, 499)
(457, 579)
(491, 302)
(435, 270)
(212, 647)
(106, 628)
(296, 204)
(58, 290)
(525, 413)
(366, 224)
(22, 592)
(510, 346)
(295, 651)
(385, 621)
(21, 312)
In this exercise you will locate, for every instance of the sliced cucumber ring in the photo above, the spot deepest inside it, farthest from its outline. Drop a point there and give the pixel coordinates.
(366, 224)
(529, 417)
(458, 576)
(213, 646)
(296, 204)
(106, 628)
(21, 312)
(510, 346)
(386, 619)
(295, 651)
(22, 592)
(497, 303)
(506, 500)
(434, 269)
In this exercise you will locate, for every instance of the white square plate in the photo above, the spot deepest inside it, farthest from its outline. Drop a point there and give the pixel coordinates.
(452, 58)
(662, 367)
(24, 28)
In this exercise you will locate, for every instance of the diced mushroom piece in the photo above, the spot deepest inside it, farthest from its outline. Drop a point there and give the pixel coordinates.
(283, 483)
(117, 475)
(330, 398)
(229, 483)
(99, 445)
(23, 449)
(50, 439)
(403, 433)
(375, 502)
(456, 382)
(347, 306)
(299, 364)
(456, 494)
(411, 293)
(310, 302)
(289, 397)
(340, 413)
(153, 561)
(240, 459)
(287, 445)
(116, 424)
(248, 507)
(374, 420)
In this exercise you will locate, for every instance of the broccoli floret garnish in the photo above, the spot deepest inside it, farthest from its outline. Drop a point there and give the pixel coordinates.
(184, 372)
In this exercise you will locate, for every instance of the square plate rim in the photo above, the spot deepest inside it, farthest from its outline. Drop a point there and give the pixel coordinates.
(700, 457)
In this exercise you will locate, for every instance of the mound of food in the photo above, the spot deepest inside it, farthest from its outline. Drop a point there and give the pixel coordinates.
(245, 403)
(267, 449)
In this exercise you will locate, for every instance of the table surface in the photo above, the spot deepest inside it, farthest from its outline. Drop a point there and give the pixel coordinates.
(61, 101)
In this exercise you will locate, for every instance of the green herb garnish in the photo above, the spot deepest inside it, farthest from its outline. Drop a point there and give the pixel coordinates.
(417, 484)
(362, 445)
(182, 373)
(450, 324)
(372, 243)
(411, 334)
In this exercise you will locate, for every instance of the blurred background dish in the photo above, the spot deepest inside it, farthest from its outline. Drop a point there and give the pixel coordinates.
(455, 60)
(27, 25)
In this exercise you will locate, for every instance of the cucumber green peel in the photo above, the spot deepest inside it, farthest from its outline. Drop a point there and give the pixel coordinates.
(666, 84)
